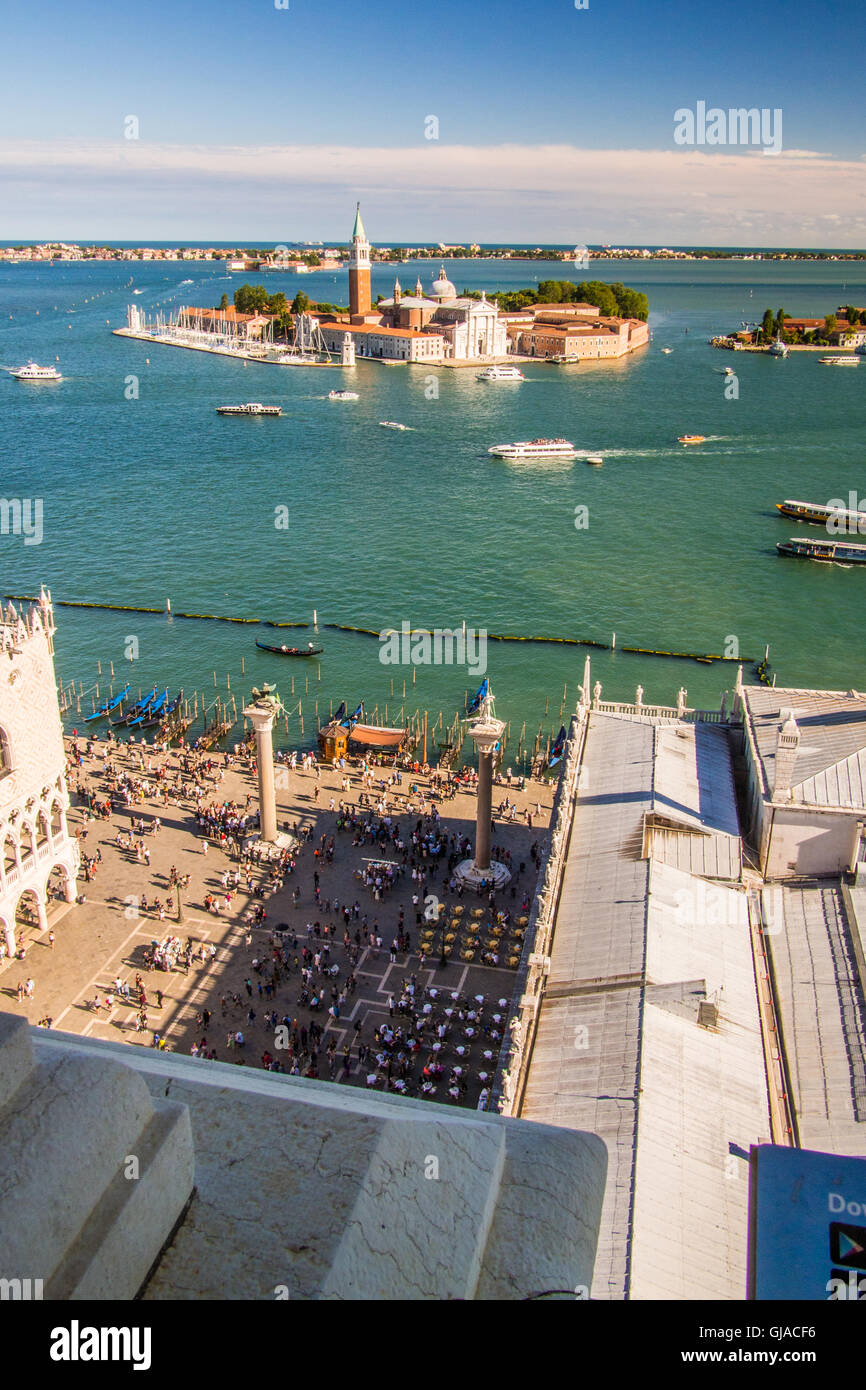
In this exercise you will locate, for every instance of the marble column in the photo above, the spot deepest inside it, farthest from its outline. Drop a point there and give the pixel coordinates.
(485, 731)
(484, 811)
(261, 714)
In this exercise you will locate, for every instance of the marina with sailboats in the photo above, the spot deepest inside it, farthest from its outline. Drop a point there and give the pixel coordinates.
(206, 331)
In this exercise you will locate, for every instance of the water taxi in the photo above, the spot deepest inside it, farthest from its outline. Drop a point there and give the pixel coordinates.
(777, 348)
(251, 408)
(594, 460)
(33, 372)
(667, 351)
(848, 360)
(534, 449)
(831, 552)
(843, 518)
(691, 438)
(392, 425)
(498, 373)
(342, 395)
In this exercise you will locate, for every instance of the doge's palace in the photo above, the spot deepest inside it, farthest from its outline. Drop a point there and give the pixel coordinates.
(39, 859)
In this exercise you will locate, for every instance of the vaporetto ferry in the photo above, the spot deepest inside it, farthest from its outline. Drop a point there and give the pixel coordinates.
(843, 518)
(534, 449)
(831, 552)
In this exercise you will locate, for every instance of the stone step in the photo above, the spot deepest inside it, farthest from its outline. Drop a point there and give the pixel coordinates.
(102, 1171)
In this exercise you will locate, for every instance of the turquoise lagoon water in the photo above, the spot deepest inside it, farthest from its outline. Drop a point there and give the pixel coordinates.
(159, 497)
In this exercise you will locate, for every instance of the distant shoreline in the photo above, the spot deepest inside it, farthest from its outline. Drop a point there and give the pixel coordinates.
(45, 253)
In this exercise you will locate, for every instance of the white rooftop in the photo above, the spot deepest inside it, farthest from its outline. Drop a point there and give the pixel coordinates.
(619, 1050)
(815, 936)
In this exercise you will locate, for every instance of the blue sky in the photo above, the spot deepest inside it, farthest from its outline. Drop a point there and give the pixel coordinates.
(314, 82)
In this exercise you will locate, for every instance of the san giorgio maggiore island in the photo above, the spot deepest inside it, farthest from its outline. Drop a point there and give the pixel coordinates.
(437, 327)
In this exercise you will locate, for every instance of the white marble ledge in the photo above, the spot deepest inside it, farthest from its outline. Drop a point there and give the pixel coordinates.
(309, 1190)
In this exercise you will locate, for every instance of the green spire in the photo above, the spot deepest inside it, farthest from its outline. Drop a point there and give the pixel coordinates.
(358, 230)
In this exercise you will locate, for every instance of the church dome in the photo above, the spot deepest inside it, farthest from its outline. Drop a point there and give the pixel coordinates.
(442, 288)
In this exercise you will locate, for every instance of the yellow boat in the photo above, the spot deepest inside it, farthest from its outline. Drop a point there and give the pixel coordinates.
(691, 438)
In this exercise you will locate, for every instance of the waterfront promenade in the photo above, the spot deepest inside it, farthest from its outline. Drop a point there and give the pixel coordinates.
(100, 946)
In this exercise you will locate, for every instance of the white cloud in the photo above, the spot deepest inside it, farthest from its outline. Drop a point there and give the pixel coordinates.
(432, 190)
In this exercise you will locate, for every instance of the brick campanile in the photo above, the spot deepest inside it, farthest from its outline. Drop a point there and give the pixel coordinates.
(359, 269)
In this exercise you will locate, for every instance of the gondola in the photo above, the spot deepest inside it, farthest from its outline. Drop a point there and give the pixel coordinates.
(108, 706)
(138, 708)
(480, 694)
(159, 716)
(290, 651)
(556, 750)
(152, 713)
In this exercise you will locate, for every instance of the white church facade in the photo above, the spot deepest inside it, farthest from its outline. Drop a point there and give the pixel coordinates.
(439, 326)
(39, 858)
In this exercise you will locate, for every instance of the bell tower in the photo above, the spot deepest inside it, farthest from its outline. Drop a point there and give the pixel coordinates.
(359, 270)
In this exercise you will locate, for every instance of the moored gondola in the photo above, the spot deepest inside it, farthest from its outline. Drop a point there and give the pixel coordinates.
(138, 708)
(108, 705)
(309, 650)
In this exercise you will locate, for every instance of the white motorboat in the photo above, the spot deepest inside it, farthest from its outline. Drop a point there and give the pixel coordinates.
(500, 373)
(667, 351)
(594, 460)
(392, 425)
(839, 361)
(534, 449)
(33, 372)
(342, 395)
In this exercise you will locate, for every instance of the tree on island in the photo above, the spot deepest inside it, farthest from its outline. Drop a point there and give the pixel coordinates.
(768, 324)
(251, 299)
(224, 302)
(831, 323)
(300, 303)
(612, 301)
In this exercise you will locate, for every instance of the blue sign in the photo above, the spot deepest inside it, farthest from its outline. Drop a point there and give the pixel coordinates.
(807, 1225)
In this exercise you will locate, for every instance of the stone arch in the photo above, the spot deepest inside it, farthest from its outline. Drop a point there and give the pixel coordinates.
(10, 853)
(59, 883)
(30, 911)
(27, 841)
(7, 935)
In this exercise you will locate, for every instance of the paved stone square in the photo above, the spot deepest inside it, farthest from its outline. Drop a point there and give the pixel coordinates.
(107, 937)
